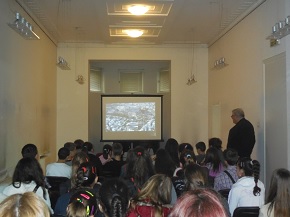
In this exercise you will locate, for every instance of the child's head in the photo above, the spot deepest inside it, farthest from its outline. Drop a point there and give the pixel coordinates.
(107, 151)
(200, 147)
(231, 156)
(187, 157)
(184, 146)
(117, 149)
(199, 202)
(63, 153)
(86, 175)
(29, 150)
(114, 198)
(83, 203)
(27, 204)
(215, 143)
(157, 188)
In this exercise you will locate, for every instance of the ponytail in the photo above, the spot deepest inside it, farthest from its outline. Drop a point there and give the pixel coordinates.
(256, 174)
(116, 206)
(114, 197)
(85, 176)
(251, 168)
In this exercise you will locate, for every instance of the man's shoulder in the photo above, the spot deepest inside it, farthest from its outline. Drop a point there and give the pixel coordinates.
(244, 121)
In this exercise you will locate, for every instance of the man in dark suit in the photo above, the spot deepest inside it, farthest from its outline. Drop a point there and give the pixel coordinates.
(242, 135)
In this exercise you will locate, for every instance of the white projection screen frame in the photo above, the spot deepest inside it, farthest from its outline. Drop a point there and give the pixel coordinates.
(131, 118)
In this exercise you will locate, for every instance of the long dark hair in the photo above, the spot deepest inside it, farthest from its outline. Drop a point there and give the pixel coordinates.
(279, 193)
(114, 197)
(251, 168)
(140, 167)
(27, 170)
(163, 163)
(172, 147)
(212, 157)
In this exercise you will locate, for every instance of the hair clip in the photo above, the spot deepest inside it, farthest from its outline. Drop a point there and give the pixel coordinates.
(88, 210)
(139, 153)
(85, 196)
(242, 165)
(92, 210)
(89, 193)
(93, 170)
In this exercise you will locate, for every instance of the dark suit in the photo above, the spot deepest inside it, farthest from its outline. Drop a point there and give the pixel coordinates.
(242, 138)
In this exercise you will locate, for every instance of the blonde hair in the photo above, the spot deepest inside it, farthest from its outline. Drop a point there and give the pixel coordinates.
(76, 209)
(24, 205)
(158, 190)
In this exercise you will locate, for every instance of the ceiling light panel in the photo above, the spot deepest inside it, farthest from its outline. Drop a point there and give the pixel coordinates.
(157, 9)
(121, 32)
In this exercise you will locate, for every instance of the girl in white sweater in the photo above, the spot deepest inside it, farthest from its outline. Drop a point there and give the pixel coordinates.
(248, 190)
(28, 176)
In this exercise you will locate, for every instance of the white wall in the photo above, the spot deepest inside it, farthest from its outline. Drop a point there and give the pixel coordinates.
(189, 122)
(27, 89)
(241, 84)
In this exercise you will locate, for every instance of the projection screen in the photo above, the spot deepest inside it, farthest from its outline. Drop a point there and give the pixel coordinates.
(131, 117)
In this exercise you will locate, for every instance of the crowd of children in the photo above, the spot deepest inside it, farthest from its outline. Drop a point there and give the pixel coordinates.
(173, 181)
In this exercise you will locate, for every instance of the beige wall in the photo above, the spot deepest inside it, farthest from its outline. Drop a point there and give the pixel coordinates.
(189, 107)
(241, 83)
(44, 105)
(27, 90)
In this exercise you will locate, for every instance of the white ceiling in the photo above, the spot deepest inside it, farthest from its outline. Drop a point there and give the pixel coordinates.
(167, 22)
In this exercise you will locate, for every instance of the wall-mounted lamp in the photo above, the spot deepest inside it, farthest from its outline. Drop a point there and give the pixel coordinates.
(62, 63)
(220, 63)
(23, 27)
(80, 79)
(191, 80)
(280, 29)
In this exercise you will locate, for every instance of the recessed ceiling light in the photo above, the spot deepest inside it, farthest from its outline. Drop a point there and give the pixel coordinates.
(134, 33)
(138, 9)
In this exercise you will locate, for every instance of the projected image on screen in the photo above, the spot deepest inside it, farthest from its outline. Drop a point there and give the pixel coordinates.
(131, 117)
(122, 117)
